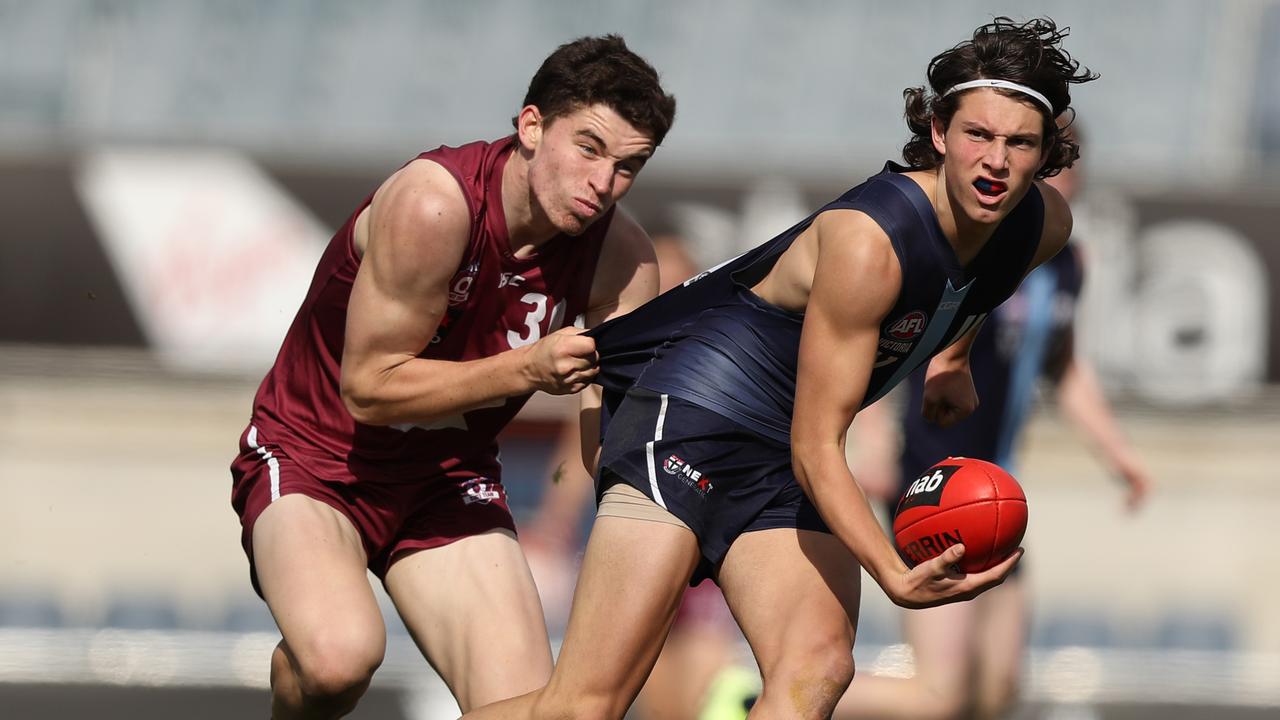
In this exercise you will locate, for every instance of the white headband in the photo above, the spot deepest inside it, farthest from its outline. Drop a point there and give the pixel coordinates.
(988, 82)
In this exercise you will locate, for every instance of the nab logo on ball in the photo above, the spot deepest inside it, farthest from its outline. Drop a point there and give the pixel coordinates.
(909, 325)
(927, 489)
(961, 500)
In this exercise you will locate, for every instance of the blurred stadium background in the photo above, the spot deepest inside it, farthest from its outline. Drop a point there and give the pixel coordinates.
(169, 172)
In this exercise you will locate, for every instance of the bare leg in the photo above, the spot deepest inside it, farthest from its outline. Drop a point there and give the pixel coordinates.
(942, 640)
(694, 653)
(312, 570)
(473, 610)
(795, 595)
(1001, 645)
(633, 575)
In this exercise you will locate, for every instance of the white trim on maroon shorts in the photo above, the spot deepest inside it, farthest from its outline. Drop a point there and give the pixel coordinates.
(273, 465)
(648, 451)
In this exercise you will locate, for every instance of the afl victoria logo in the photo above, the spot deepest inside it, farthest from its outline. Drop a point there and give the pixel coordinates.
(908, 326)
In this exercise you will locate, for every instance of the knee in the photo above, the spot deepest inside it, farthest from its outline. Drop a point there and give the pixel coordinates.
(836, 671)
(834, 667)
(338, 668)
(811, 684)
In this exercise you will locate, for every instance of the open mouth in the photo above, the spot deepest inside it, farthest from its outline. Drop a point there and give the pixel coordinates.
(990, 188)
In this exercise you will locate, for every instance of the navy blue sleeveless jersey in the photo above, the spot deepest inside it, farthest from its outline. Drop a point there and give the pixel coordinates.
(714, 343)
(1027, 335)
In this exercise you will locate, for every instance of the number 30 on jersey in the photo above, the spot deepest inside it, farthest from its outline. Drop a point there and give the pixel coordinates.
(532, 330)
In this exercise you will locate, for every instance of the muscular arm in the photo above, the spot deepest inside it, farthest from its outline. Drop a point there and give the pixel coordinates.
(856, 282)
(626, 278)
(417, 232)
(949, 394)
(1086, 406)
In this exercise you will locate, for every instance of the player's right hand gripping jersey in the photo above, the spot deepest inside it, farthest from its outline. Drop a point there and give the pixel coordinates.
(715, 343)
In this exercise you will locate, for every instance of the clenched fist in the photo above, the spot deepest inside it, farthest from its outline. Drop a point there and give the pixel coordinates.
(563, 362)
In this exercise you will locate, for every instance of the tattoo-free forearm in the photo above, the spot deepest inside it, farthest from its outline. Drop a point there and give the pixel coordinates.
(824, 475)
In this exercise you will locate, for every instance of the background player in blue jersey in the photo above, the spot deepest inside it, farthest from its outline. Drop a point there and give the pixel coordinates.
(728, 399)
(969, 656)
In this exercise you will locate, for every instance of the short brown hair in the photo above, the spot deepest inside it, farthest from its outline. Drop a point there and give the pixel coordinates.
(602, 70)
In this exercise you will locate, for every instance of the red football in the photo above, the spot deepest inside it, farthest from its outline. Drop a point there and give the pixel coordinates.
(961, 500)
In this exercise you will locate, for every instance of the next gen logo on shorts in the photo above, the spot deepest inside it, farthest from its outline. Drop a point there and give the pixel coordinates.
(675, 465)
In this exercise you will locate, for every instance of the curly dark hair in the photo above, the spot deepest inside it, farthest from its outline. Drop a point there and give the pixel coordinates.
(1029, 54)
(602, 70)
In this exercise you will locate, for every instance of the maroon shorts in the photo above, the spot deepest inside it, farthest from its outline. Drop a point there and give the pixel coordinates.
(390, 518)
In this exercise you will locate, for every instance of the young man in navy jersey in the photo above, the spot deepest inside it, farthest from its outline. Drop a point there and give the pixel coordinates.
(968, 657)
(728, 399)
(442, 304)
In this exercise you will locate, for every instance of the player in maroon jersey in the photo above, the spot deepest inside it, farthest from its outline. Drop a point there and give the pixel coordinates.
(446, 299)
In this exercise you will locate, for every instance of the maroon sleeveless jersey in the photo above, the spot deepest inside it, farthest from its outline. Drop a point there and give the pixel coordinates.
(496, 302)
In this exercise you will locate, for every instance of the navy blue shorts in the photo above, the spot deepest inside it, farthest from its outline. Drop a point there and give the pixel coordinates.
(719, 478)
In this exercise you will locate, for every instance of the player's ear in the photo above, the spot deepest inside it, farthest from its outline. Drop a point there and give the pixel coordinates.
(939, 135)
(529, 126)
